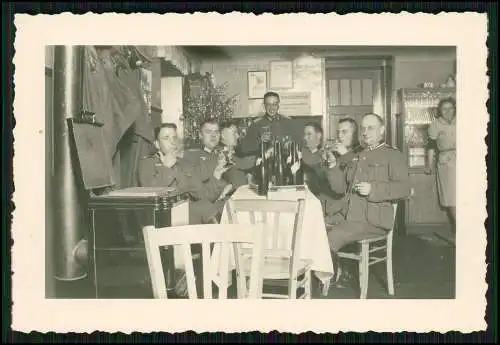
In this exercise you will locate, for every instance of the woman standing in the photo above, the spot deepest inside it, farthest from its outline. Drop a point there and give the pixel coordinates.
(442, 135)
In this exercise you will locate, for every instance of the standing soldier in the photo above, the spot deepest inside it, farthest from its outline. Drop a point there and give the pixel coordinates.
(271, 125)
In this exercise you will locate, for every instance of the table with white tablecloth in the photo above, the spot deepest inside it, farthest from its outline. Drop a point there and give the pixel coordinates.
(313, 242)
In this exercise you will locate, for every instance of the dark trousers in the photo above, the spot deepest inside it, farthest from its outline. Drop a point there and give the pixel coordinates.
(347, 232)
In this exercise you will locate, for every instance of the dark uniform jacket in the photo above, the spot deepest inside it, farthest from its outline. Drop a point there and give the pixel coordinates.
(185, 178)
(203, 164)
(152, 173)
(280, 127)
(317, 179)
(236, 175)
(386, 169)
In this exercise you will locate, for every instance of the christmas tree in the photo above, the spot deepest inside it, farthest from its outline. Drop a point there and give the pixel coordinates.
(205, 100)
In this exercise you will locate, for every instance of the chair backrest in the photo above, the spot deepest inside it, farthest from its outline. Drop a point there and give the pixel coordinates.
(272, 209)
(206, 234)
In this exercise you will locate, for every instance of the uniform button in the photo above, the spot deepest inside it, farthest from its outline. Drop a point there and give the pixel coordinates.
(364, 158)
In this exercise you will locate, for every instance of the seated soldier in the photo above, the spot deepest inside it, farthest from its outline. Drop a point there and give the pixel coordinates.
(371, 181)
(345, 148)
(242, 165)
(166, 168)
(209, 164)
(314, 161)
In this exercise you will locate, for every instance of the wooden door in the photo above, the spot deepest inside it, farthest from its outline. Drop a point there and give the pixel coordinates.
(352, 92)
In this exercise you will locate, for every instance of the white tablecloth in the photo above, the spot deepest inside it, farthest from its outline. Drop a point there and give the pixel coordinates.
(313, 242)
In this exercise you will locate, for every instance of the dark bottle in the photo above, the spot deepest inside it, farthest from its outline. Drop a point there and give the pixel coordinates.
(278, 161)
(263, 171)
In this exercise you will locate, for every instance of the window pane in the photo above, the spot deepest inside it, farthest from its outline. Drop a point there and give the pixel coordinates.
(356, 92)
(345, 92)
(333, 88)
(367, 92)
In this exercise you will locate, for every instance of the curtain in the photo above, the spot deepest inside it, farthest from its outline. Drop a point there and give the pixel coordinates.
(111, 90)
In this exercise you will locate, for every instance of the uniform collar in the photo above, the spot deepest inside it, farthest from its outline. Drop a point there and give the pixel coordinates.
(272, 118)
(375, 147)
(448, 122)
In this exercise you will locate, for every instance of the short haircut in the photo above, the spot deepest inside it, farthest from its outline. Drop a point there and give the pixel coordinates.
(271, 94)
(354, 125)
(164, 125)
(379, 118)
(316, 126)
(227, 124)
(449, 100)
(208, 121)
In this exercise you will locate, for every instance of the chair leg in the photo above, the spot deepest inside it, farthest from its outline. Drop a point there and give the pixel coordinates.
(389, 272)
(308, 284)
(364, 270)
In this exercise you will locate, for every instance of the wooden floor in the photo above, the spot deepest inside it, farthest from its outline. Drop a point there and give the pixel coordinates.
(424, 267)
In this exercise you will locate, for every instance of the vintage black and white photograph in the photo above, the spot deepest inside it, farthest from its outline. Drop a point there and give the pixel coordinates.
(235, 172)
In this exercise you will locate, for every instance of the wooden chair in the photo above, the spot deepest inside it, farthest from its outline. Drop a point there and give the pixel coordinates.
(366, 259)
(282, 266)
(206, 234)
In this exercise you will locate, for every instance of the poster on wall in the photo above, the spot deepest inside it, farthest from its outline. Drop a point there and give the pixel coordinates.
(295, 103)
(281, 74)
(257, 84)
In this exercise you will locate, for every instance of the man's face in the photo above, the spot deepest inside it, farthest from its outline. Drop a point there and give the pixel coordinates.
(372, 131)
(272, 105)
(448, 110)
(312, 138)
(167, 140)
(230, 136)
(345, 133)
(210, 135)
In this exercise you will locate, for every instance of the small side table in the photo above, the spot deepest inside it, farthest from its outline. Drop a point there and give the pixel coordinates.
(110, 255)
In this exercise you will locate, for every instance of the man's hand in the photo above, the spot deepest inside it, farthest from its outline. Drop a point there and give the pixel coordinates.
(269, 152)
(331, 160)
(340, 148)
(167, 160)
(225, 191)
(221, 166)
(363, 188)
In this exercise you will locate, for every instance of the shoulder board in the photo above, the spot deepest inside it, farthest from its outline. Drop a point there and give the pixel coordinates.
(259, 119)
(285, 117)
(391, 147)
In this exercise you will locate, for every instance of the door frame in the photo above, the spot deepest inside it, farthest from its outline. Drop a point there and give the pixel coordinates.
(385, 65)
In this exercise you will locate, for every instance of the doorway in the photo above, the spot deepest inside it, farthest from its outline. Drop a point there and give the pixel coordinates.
(358, 86)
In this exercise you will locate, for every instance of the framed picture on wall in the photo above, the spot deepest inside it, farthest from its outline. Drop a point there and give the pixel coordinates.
(281, 74)
(257, 84)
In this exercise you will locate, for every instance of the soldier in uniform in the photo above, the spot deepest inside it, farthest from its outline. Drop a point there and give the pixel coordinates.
(345, 149)
(166, 168)
(313, 159)
(271, 125)
(371, 181)
(237, 174)
(209, 165)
